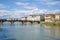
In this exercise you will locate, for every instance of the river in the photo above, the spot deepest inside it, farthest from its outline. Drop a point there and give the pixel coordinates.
(18, 31)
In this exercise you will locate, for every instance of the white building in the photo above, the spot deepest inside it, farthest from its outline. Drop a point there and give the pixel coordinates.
(31, 17)
(23, 18)
(35, 18)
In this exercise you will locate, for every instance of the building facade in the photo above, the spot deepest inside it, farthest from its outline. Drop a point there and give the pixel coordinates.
(49, 18)
(57, 17)
(35, 18)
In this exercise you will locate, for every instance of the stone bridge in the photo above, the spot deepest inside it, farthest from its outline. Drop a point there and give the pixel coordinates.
(22, 21)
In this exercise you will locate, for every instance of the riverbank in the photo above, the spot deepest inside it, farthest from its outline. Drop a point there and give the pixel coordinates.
(51, 24)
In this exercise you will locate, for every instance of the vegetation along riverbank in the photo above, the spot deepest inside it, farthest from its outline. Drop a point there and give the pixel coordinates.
(51, 24)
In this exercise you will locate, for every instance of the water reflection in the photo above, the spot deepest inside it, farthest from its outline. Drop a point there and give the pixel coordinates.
(53, 32)
(5, 34)
(18, 31)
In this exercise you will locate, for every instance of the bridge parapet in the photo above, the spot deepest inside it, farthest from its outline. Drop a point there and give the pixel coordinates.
(12, 19)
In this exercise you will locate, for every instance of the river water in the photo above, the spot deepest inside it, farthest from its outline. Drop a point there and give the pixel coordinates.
(18, 31)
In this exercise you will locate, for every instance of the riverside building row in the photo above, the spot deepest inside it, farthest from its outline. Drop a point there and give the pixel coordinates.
(46, 18)
(52, 18)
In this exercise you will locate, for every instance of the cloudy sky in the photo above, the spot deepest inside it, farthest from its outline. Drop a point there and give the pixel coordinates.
(19, 8)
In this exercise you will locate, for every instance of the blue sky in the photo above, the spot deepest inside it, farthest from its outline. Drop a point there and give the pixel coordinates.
(19, 8)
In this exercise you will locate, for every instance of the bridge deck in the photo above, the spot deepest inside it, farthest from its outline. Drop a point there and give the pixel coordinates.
(12, 21)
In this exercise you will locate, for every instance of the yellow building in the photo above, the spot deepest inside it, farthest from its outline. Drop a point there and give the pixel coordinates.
(49, 18)
(57, 17)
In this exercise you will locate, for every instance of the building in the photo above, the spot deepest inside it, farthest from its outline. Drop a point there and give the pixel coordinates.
(49, 18)
(39, 18)
(23, 18)
(35, 18)
(31, 17)
(57, 18)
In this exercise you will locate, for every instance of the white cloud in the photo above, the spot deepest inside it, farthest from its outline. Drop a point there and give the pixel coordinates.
(56, 11)
(53, 11)
(48, 2)
(53, 3)
(21, 13)
(5, 12)
(21, 3)
(29, 7)
(25, 5)
(15, 13)
(2, 6)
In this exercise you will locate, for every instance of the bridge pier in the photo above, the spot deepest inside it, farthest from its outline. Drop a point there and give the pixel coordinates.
(1, 22)
(31, 22)
(22, 22)
(11, 22)
(38, 22)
